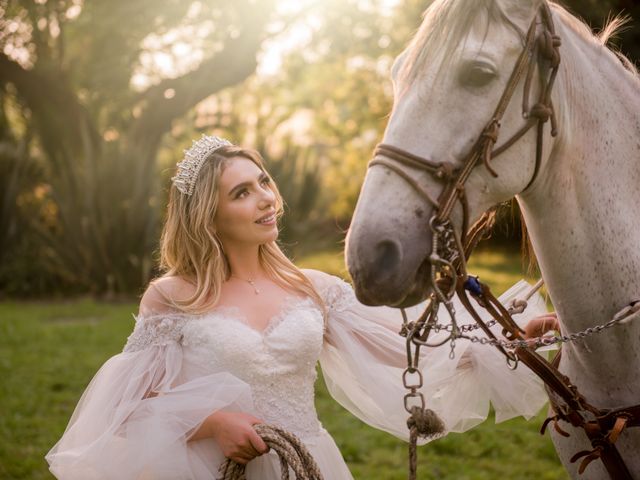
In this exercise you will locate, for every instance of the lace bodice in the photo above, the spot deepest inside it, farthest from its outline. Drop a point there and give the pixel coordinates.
(278, 363)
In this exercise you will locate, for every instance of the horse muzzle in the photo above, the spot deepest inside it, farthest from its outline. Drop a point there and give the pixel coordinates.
(382, 275)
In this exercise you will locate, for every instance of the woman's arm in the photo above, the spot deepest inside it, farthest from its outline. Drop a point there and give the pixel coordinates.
(233, 431)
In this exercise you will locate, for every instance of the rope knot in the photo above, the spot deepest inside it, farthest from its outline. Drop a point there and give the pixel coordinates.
(426, 422)
(444, 283)
(406, 329)
(541, 111)
(491, 131)
(518, 306)
(445, 171)
(549, 45)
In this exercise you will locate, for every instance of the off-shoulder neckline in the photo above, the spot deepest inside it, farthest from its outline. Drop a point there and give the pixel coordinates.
(290, 303)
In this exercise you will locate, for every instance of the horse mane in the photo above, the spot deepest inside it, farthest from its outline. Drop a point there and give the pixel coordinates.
(613, 27)
(447, 23)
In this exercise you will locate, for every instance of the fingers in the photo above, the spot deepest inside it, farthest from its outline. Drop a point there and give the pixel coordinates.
(240, 460)
(243, 454)
(550, 322)
(541, 325)
(237, 437)
(252, 446)
(255, 439)
(258, 444)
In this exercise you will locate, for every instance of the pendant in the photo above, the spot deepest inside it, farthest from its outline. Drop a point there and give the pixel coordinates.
(254, 286)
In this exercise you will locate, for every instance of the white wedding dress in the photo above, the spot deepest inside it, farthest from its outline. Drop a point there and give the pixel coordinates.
(196, 365)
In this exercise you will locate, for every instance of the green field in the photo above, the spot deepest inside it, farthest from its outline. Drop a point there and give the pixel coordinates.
(49, 352)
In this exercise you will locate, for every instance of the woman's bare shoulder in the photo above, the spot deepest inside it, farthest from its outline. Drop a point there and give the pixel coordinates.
(173, 284)
(320, 280)
(162, 292)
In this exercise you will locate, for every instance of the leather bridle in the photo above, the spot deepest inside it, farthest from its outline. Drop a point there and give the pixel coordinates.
(545, 48)
(450, 252)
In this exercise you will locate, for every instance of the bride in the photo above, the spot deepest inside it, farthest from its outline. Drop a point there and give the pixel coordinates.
(230, 336)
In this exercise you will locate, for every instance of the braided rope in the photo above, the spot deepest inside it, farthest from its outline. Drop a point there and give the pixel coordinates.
(291, 452)
(424, 423)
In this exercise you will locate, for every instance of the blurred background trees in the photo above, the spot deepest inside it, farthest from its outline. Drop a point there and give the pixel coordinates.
(87, 80)
(98, 99)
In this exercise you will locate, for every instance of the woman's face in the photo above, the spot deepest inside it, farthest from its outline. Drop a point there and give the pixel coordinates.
(246, 205)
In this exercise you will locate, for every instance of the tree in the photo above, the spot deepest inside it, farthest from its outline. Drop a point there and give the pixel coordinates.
(73, 66)
(331, 95)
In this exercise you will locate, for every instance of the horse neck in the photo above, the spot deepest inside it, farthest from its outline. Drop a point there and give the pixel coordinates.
(582, 217)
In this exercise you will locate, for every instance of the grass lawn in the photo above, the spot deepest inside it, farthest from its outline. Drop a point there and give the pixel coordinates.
(50, 351)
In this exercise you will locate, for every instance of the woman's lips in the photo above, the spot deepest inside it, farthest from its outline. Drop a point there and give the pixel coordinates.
(267, 220)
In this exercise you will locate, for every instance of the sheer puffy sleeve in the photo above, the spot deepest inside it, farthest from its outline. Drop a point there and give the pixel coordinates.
(135, 417)
(363, 359)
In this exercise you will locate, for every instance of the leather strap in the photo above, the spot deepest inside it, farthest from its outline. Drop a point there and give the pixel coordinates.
(603, 432)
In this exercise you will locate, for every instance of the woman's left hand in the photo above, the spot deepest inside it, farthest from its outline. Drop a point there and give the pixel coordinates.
(541, 325)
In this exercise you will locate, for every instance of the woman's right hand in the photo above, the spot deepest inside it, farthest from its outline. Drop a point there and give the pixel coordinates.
(235, 435)
(540, 325)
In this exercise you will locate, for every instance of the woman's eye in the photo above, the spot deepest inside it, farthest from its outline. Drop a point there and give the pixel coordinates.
(245, 192)
(477, 74)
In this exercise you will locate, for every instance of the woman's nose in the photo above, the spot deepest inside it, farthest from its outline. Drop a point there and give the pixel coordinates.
(268, 197)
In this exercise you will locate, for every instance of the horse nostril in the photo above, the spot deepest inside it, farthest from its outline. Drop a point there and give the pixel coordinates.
(388, 254)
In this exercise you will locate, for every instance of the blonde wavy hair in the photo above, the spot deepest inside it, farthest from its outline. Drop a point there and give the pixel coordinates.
(191, 250)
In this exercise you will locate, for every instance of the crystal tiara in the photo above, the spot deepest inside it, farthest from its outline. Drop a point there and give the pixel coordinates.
(194, 158)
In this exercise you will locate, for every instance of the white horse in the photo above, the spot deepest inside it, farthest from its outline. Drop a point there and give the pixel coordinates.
(581, 210)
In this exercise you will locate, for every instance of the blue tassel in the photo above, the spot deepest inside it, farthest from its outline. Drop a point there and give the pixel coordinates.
(473, 285)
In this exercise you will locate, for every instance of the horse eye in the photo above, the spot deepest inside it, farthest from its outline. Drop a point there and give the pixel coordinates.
(477, 74)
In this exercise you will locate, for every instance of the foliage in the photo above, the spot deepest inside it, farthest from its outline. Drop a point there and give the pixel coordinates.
(331, 95)
(23, 204)
(99, 128)
(298, 180)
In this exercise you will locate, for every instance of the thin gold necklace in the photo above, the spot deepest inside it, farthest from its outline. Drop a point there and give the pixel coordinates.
(249, 281)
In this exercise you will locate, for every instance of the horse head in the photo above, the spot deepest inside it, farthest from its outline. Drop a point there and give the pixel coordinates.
(447, 84)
